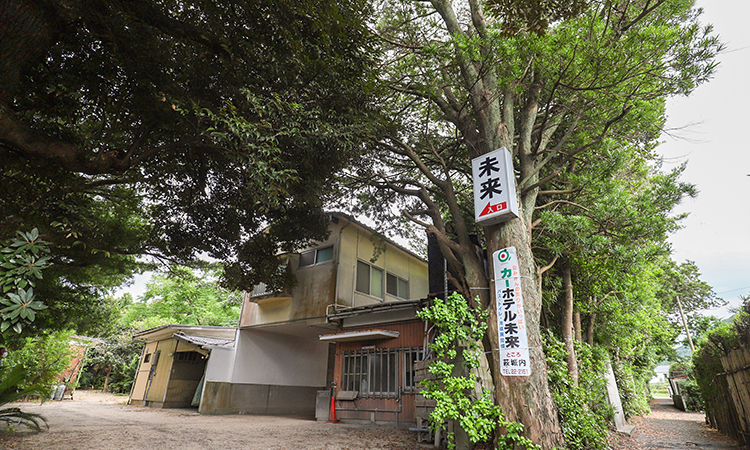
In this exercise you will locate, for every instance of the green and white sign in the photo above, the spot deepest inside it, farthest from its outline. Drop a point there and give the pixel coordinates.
(511, 320)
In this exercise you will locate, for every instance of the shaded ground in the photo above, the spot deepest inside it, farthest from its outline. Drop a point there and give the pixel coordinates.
(669, 428)
(101, 421)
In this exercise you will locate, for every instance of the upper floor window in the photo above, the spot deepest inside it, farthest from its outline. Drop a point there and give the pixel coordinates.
(369, 279)
(396, 286)
(317, 256)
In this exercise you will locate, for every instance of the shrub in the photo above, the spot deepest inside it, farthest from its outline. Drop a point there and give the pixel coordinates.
(583, 410)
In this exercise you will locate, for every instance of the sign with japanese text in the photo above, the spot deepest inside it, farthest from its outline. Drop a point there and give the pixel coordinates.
(494, 187)
(511, 321)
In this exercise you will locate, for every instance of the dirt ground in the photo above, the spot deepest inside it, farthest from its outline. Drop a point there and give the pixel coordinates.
(95, 421)
(669, 428)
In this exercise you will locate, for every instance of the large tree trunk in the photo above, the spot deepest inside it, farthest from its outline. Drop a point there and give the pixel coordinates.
(524, 399)
(566, 324)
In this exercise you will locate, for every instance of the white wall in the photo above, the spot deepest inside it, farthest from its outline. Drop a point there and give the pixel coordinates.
(220, 364)
(277, 359)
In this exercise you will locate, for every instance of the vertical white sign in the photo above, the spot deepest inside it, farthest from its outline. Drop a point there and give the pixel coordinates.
(511, 320)
(494, 187)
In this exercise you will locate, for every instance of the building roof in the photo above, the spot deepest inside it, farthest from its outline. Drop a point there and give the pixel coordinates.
(371, 230)
(207, 342)
(166, 331)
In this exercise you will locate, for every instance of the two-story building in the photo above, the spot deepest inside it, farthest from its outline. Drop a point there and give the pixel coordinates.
(349, 320)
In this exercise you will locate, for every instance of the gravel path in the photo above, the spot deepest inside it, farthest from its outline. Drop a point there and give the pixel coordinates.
(669, 428)
(104, 422)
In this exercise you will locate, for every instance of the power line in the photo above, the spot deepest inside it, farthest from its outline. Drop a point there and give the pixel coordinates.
(738, 289)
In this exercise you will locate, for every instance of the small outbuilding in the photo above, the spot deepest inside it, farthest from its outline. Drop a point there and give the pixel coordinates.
(173, 364)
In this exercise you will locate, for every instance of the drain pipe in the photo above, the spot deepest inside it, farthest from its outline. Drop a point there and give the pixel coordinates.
(338, 264)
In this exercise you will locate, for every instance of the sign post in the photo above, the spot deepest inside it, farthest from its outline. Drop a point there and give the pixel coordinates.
(511, 320)
(494, 187)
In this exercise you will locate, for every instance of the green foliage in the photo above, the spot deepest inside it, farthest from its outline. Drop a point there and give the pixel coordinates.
(21, 263)
(117, 359)
(632, 382)
(184, 296)
(584, 411)
(457, 350)
(691, 395)
(14, 386)
(43, 358)
(163, 131)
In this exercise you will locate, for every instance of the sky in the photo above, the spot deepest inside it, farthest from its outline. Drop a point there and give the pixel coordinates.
(709, 130)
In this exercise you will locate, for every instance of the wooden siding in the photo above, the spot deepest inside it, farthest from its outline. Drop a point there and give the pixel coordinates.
(160, 380)
(411, 335)
(730, 413)
(142, 377)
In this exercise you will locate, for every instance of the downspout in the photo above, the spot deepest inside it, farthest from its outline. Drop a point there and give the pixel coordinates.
(338, 263)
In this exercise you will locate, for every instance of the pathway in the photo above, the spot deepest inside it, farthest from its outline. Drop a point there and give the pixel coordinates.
(669, 428)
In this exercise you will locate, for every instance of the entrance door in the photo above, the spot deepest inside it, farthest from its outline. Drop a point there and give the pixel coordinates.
(143, 377)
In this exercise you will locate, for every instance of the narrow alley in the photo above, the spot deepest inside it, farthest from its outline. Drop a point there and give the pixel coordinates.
(669, 428)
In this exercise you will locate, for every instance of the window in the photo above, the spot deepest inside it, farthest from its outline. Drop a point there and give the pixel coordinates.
(397, 287)
(372, 374)
(190, 357)
(317, 256)
(411, 355)
(369, 279)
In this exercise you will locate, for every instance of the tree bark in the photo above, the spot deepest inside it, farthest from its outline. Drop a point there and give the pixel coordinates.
(106, 379)
(566, 324)
(524, 399)
(590, 329)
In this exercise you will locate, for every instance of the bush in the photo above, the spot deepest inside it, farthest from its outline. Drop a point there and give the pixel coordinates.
(43, 359)
(118, 358)
(584, 411)
(15, 385)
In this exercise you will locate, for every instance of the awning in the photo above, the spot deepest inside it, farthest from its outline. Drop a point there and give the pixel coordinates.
(205, 341)
(367, 335)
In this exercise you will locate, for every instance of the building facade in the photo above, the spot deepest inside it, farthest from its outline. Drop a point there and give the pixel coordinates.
(293, 343)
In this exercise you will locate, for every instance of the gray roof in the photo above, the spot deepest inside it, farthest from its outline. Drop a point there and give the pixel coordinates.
(205, 341)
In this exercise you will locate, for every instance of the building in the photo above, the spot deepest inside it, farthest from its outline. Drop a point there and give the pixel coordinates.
(347, 324)
(173, 363)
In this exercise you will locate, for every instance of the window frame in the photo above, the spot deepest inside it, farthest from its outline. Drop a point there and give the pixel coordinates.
(357, 365)
(398, 280)
(362, 366)
(371, 267)
(409, 356)
(316, 258)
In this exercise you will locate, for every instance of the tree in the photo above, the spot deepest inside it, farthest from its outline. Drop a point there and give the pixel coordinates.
(21, 264)
(186, 297)
(202, 122)
(613, 219)
(462, 87)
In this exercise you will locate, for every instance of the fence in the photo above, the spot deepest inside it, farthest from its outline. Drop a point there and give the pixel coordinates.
(732, 417)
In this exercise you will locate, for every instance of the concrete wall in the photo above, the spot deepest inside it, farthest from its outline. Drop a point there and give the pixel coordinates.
(220, 365)
(272, 373)
(240, 398)
(265, 357)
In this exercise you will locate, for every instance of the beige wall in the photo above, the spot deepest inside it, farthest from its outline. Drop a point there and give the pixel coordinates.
(359, 244)
(318, 285)
(158, 388)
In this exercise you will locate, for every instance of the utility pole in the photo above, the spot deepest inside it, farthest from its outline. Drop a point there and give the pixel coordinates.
(684, 323)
